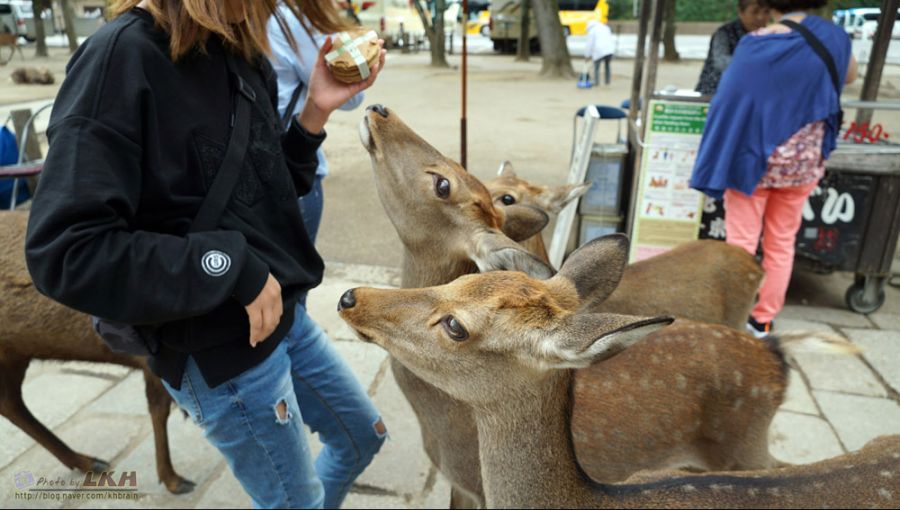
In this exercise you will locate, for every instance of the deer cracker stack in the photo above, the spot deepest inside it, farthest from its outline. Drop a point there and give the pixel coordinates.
(353, 55)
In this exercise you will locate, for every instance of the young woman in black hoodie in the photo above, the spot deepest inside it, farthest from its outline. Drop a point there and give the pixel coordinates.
(138, 134)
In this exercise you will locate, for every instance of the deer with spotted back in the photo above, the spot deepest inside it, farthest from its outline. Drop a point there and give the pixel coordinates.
(449, 228)
(511, 347)
(720, 290)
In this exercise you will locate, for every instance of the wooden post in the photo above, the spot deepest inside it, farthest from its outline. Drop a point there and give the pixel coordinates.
(655, 36)
(465, 74)
(877, 58)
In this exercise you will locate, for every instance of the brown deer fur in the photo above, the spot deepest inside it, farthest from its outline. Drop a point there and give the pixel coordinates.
(445, 238)
(513, 367)
(35, 327)
(720, 290)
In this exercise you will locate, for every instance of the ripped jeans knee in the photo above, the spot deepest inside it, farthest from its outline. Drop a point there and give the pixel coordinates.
(283, 413)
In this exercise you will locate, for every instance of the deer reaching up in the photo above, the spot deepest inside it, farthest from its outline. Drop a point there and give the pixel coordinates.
(35, 327)
(449, 228)
(719, 290)
(507, 345)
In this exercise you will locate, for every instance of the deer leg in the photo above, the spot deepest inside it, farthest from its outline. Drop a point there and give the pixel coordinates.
(12, 407)
(160, 404)
(461, 499)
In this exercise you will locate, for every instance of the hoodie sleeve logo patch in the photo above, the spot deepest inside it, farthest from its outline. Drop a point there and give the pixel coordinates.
(215, 263)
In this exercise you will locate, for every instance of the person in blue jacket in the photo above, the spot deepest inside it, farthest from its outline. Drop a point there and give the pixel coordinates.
(772, 124)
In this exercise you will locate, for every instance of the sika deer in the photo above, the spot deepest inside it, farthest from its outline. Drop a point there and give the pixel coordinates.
(35, 327)
(448, 227)
(509, 190)
(720, 290)
(507, 345)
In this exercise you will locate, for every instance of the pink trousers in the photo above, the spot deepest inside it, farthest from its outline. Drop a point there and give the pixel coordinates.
(775, 214)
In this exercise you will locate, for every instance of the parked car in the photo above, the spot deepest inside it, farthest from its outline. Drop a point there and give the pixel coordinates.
(23, 13)
(854, 18)
(870, 25)
(11, 20)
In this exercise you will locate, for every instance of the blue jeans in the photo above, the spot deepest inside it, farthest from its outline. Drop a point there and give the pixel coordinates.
(256, 420)
(311, 206)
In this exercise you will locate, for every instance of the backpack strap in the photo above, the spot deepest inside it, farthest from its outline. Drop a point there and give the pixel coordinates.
(819, 49)
(223, 185)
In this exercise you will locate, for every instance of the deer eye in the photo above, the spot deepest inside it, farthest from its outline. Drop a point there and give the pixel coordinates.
(454, 328)
(441, 186)
(508, 199)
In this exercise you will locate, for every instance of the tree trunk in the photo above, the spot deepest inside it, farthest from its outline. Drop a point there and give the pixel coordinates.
(557, 63)
(69, 20)
(434, 29)
(524, 49)
(40, 36)
(670, 53)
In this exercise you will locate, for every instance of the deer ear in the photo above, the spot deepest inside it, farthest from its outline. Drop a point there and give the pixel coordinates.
(596, 268)
(522, 222)
(591, 337)
(506, 170)
(491, 251)
(556, 199)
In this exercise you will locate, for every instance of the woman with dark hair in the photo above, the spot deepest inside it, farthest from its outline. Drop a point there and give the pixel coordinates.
(751, 16)
(772, 124)
(155, 106)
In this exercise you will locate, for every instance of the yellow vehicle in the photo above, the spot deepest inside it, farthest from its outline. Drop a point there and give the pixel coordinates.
(575, 14)
(480, 25)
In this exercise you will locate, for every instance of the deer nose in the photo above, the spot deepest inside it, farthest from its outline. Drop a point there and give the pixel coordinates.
(348, 300)
(379, 109)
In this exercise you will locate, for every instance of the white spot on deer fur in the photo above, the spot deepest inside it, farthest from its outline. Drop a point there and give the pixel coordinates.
(607, 385)
(886, 474)
(752, 491)
(884, 493)
(645, 384)
(688, 488)
(773, 491)
(655, 359)
(625, 376)
(738, 403)
(738, 377)
(680, 382)
(717, 334)
(754, 391)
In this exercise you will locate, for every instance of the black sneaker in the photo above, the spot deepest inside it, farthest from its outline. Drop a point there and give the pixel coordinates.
(759, 329)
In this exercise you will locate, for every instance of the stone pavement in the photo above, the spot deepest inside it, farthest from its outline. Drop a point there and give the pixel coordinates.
(835, 405)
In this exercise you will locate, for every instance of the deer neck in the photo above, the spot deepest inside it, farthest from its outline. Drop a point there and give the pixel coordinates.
(426, 267)
(527, 458)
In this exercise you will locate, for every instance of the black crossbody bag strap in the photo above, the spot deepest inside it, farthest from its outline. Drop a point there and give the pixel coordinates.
(826, 57)
(291, 105)
(223, 185)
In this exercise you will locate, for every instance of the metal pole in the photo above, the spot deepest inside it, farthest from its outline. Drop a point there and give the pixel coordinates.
(659, 13)
(634, 146)
(465, 73)
(638, 73)
(877, 58)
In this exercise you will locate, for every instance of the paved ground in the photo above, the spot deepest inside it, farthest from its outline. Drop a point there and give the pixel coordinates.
(835, 404)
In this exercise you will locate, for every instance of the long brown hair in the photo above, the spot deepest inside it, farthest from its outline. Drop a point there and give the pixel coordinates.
(189, 23)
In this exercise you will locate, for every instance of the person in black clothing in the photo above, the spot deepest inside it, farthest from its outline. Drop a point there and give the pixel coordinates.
(751, 16)
(138, 134)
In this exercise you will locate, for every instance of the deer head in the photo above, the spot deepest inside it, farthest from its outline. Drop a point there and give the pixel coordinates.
(508, 190)
(437, 208)
(466, 336)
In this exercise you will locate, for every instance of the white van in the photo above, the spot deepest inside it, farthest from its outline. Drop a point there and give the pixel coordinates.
(852, 19)
(867, 25)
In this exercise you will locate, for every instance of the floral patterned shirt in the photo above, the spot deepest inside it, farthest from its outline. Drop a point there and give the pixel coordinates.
(798, 161)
